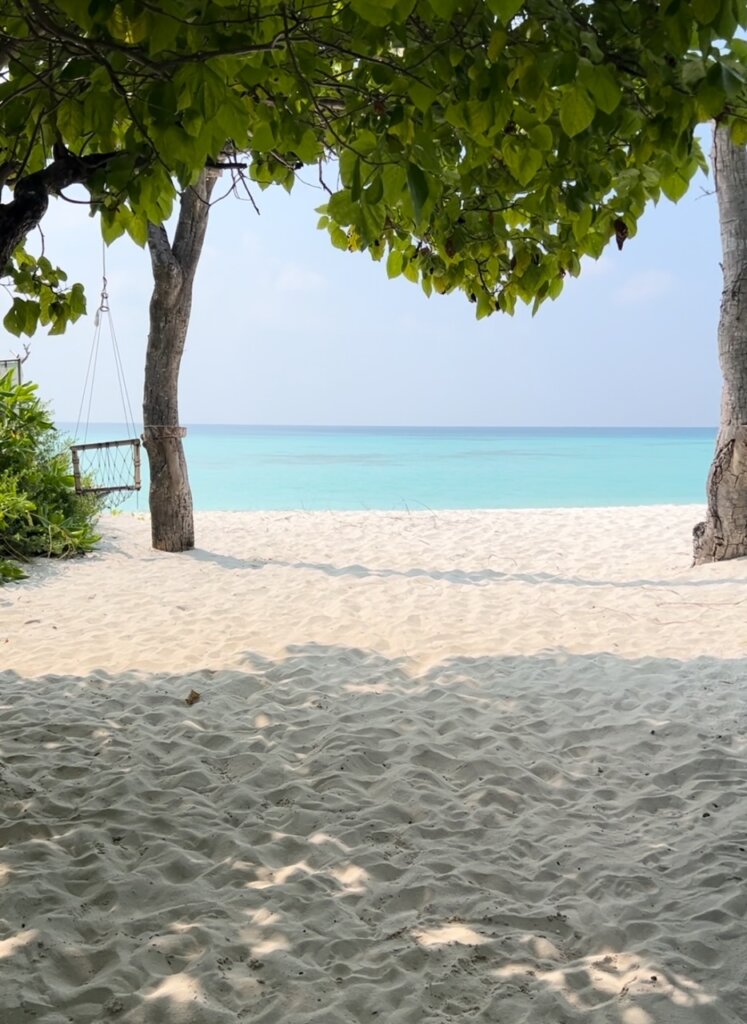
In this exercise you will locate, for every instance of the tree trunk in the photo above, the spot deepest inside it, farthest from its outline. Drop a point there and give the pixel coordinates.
(724, 533)
(174, 266)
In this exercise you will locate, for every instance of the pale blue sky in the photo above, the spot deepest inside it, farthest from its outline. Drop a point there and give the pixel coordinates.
(287, 330)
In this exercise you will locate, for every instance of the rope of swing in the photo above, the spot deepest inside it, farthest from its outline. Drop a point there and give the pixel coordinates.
(88, 385)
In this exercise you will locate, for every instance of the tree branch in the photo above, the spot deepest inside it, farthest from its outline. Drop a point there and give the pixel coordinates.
(192, 221)
(31, 196)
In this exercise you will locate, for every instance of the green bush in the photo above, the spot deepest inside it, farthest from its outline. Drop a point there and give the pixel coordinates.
(40, 513)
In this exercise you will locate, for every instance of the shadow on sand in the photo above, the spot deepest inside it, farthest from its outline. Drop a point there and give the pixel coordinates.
(333, 836)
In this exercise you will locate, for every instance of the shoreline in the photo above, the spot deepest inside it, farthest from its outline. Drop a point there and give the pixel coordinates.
(443, 767)
(419, 585)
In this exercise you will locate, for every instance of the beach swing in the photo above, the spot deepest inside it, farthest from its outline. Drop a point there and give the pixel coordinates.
(109, 470)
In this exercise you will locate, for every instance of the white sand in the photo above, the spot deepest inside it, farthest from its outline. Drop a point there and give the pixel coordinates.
(445, 767)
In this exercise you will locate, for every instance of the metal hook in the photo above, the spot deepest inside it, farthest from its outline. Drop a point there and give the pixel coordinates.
(104, 304)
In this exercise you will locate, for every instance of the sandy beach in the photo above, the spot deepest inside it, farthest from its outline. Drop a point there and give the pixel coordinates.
(443, 767)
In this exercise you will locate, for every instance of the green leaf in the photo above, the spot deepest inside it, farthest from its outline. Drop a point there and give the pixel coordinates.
(373, 193)
(505, 9)
(355, 183)
(77, 301)
(582, 223)
(674, 186)
(498, 40)
(370, 221)
(733, 82)
(444, 8)
(22, 317)
(113, 223)
(602, 84)
(394, 263)
(485, 305)
(377, 12)
(338, 237)
(522, 159)
(479, 116)
(232, 119)
(163, 33)
(410, 271)
(340, 208)
(14, 319)
(422, 96)
(678, 25)
(162, 102)
(208, 92)
(137, 229)
(309, 148)
(711, 97)
(418, 186)
(705, 10)
(394, 179)
(98, 111)
(576, 111)
(262, 138)
(738, 131)
(70, 121)
(58, 326)
(542, 138)
(727, 21)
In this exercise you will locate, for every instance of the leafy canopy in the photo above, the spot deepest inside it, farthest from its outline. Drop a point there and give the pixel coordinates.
(481, 145)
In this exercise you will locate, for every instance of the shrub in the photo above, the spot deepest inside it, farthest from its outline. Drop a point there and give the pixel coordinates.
(40, 513)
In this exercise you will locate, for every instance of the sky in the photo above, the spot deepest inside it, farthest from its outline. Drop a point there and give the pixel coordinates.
(286, 329)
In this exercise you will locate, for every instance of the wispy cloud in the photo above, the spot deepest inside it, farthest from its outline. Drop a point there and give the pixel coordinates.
(295, 278)
(595, 268)
(645, 287)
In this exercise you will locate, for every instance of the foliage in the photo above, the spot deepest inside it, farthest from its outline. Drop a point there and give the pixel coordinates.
(481, 145)
(40, 513)
(42, 297)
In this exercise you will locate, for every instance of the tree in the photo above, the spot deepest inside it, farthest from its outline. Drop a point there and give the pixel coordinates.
(723, 534)
(174, 267)
(481, 145)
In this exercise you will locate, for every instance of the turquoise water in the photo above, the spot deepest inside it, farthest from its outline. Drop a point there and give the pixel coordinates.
(242, 467)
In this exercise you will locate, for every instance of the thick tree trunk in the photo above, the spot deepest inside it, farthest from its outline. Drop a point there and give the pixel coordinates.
(724, 533)
(174, 266)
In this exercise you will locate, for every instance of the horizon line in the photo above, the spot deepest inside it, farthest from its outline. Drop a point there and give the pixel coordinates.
(422, 426)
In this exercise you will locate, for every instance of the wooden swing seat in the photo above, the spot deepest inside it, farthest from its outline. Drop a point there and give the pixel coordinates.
(107, 456)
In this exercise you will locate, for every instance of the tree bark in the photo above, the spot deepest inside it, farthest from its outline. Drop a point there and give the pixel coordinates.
(174, 266)
(723, 535)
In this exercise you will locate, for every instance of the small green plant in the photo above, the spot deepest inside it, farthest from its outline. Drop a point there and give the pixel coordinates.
(40, 513)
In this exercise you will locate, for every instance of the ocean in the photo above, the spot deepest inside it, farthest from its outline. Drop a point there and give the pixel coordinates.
(408, 468)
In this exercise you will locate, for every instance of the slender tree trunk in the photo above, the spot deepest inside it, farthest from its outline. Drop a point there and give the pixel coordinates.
(723, 535)
(174, 266)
